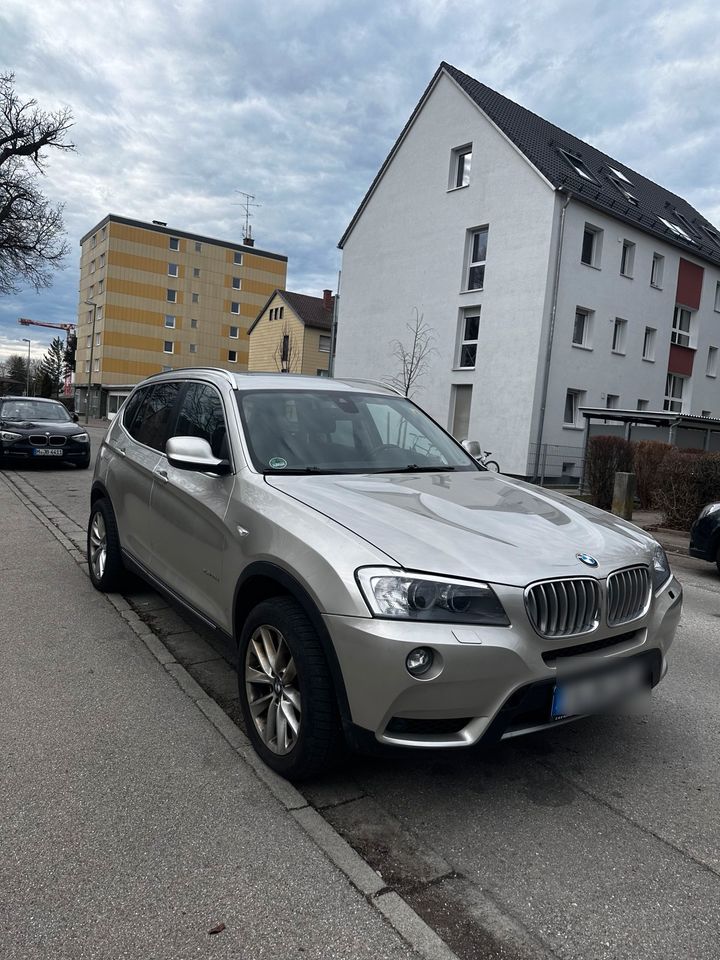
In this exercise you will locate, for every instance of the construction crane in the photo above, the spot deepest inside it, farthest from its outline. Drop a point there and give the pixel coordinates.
(69, 329)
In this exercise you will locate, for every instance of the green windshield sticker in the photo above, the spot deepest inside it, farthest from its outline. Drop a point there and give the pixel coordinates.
(277, 463)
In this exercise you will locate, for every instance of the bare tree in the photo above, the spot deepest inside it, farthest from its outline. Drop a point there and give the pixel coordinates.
(287, 355)
(414, 354)
(32, 241)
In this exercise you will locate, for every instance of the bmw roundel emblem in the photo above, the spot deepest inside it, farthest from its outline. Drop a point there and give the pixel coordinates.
(586, 559)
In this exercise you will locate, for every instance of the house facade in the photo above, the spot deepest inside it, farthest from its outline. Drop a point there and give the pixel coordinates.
(153, 298)
(552, 277)
(292, 334)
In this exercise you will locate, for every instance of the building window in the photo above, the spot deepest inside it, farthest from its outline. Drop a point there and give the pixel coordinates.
(196, 271)
(173, 270)
(169, 320)
(649, 344)
(678, 231)
(323, 373)
(581, 328)
(674, 390)
(193, 348)
(643, 404)
(87, 366)
(717, 296)
(460, 164)
(198, 246)
(712, 362)
(574, 399)
(681, 327)
(234, 307)
(91, 291)
(97, 339)
(620, 185)
(619, 330)
(656, 273)
(93, 242)
(174, 243)
(578, 166)
(193, 324)
(324, 343)
(92, 266)
(103, 232)
(196, 298)
(101, 286)
(99, 313)
(169, 347)
(612, 401)
(280, 314)
(172, 296)
(89, 341)
(234, 333)
(477, 255)
(232, 356)
(469, 336)
(102, 259)
(591, 246)
(96, 365)
(627, 258)
(236, 282)
(237, 258)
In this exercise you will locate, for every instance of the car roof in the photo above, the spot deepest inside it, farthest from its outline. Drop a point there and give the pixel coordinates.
(33, 399)
(276, 381)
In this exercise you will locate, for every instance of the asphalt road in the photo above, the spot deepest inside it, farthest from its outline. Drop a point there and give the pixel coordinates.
(595, 840)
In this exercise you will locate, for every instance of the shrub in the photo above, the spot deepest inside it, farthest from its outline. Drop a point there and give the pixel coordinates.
(605, 457)
(687, 480)
(648, 458)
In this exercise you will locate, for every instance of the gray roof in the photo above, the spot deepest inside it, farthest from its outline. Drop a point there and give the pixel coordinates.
(551, 151)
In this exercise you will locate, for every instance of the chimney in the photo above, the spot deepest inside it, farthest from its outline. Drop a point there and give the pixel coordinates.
(327, 299)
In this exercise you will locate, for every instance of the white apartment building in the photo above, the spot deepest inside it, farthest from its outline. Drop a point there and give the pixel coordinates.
(553, 277)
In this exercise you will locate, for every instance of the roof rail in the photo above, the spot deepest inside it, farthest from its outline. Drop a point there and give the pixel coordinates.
(163, 373)
(374, 383)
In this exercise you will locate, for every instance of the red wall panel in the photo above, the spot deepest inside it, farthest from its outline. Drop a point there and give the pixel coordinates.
(689, 284)
(681, 360)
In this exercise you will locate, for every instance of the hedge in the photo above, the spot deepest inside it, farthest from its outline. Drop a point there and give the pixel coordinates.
(686, 481)
(605, 457)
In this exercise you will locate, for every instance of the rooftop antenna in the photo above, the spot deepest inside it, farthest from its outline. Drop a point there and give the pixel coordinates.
(246, 203)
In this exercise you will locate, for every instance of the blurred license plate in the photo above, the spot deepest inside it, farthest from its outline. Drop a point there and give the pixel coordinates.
(47, 452)
(598, 691)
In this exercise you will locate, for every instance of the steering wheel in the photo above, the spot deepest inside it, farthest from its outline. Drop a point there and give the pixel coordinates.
(381, 448)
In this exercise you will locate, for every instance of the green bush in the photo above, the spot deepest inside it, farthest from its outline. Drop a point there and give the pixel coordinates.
(687, 480)
(605, 457)
(648, 458)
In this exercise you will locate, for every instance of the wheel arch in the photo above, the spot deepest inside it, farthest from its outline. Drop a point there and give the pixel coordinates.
(263, 580)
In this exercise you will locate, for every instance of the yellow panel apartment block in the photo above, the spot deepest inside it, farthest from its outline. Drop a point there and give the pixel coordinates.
(153, 298)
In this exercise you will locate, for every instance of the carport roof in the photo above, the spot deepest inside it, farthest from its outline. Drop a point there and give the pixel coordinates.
(657, 418)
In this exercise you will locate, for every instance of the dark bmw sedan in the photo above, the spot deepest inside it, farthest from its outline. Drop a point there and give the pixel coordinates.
(41, 430)
(705, 535)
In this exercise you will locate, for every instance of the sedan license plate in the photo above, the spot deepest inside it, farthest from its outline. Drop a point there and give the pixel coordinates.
(597, 692)
(47, 452)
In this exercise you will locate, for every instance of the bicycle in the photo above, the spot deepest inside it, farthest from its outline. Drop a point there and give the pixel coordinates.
(491, 465)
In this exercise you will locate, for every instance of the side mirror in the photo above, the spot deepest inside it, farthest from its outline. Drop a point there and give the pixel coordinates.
(473, 448)
(76, 418)
(194, 453)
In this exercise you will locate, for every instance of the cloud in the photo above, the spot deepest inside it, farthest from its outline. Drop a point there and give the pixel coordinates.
(180, 105)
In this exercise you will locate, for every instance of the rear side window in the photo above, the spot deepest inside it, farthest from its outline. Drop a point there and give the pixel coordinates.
(149, 421)
(201, 415)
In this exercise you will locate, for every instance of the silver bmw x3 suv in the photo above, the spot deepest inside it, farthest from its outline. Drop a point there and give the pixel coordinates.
(377, 584)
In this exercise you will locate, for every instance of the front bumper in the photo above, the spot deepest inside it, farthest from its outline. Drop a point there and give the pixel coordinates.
(69, 452)
(486, 682)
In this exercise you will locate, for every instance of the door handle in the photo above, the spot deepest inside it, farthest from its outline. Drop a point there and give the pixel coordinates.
(162, 475)
(120, 452)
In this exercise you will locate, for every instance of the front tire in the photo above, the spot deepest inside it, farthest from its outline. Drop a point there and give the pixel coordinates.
(103, 548)
(492, 466)
(286, 691)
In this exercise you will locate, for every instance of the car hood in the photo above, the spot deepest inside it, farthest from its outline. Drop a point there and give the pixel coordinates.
(473, 524)
(60, 429)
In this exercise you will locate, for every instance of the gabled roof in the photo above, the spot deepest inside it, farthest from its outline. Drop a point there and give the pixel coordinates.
(310, 310)
(608, 184)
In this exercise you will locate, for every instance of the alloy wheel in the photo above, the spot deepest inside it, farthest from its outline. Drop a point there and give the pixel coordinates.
(273, 693)
(98, 545)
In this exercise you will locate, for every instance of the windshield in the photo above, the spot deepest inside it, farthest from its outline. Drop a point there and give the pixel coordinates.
(33, 410)
(307, 431)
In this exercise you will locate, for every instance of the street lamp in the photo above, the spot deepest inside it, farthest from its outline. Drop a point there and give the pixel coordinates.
(90, 303)
(27, 373)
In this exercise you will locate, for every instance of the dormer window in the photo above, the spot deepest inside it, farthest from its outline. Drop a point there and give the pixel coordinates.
(674, 228)
(619, 175)
(578, 166)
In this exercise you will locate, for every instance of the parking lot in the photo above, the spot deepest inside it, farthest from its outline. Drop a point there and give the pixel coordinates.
(595, 840)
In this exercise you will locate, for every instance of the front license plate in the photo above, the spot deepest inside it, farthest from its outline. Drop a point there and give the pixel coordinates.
(47, 452)
(598, 691)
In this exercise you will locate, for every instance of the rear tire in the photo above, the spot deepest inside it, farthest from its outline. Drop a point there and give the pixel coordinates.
(492, 466)
(286, 691)
(103, 548)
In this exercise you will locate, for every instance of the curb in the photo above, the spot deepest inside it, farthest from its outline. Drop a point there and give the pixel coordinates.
(397, 912)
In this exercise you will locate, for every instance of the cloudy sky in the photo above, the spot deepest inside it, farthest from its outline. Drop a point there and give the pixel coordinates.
(180, 104)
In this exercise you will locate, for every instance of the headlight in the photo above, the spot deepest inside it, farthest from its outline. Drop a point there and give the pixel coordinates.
(660, 568)
(709, 509)
(7, 436)
(401, 596)
(81, 437)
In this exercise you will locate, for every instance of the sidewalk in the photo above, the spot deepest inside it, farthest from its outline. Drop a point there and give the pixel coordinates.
(129, 826)
(674, 541)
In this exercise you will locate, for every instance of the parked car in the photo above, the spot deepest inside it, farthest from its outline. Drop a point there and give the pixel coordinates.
(376, 580)
(705, 535)
(32, 428)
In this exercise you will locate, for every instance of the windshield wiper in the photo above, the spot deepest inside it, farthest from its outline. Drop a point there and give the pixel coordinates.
(279, 472)
(416, 468)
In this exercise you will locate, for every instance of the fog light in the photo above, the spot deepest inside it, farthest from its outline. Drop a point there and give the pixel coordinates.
(419, 661)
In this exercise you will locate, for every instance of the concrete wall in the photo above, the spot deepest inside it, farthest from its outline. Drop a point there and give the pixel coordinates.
(408, 251)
